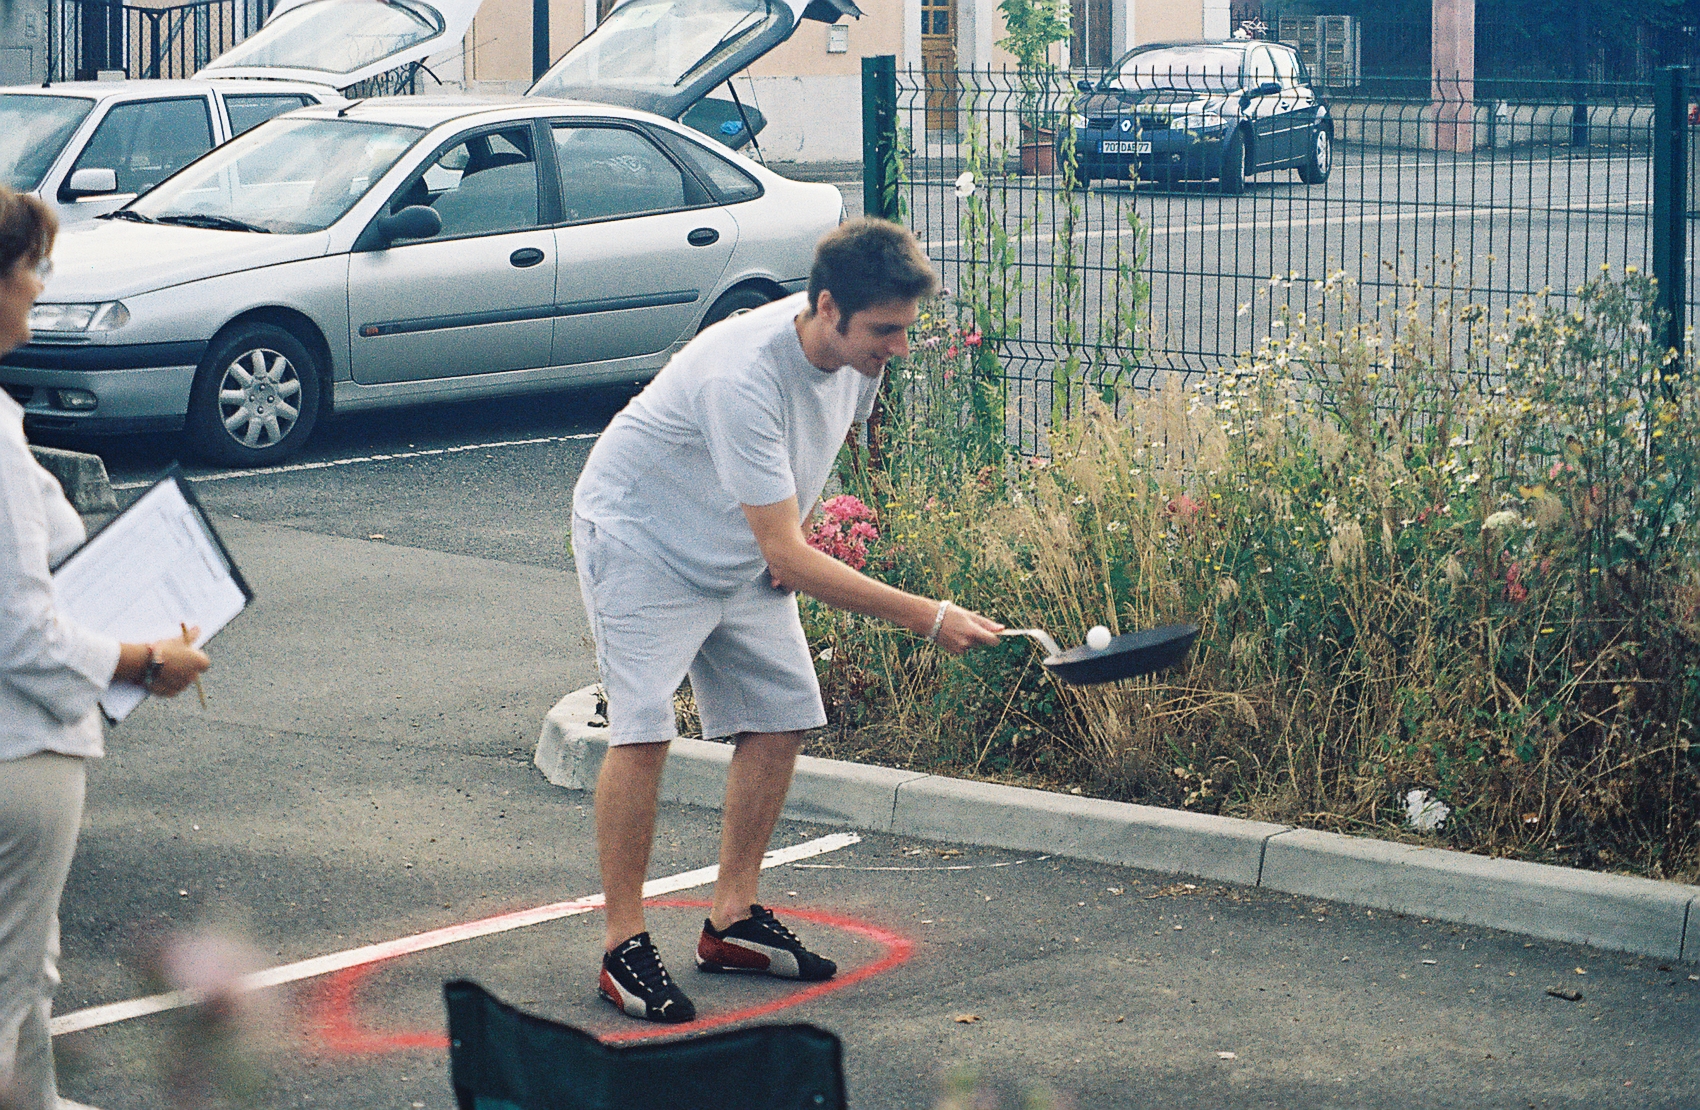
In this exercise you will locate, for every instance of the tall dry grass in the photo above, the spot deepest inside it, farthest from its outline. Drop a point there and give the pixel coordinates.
(1439, 552)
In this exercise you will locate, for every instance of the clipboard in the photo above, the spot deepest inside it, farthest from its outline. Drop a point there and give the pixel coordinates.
(156, 566)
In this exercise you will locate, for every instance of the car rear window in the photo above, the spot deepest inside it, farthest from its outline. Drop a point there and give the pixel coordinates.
(251, 110)
(730, 184)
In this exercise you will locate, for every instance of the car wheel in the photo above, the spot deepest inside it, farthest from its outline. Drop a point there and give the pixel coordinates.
(735, 302)
(255, 398)
(1316, 165)
(1232, 179)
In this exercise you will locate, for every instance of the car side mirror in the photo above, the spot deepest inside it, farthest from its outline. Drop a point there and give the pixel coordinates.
(416, 221)
(91, 182)
(1268, 88)
(1083, 85)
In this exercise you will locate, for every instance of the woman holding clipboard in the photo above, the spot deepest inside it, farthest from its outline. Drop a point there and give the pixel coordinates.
(52, 673)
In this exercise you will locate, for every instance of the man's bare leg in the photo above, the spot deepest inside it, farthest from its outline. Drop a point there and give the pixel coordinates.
(625, 828)
(756, 785)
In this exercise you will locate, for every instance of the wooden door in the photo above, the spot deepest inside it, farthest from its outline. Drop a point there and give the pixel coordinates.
(938, 59)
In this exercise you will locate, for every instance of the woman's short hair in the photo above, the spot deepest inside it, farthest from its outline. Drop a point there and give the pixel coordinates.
(27, 228)
(865, 262)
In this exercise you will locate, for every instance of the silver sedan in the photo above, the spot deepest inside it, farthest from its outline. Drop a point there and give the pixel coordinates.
(401, 251)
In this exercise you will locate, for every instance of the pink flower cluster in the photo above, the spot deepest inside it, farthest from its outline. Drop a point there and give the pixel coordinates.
(844, 529)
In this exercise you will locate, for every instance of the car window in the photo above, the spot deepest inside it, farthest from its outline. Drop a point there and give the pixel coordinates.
(334, 36)
(1187, 68)
(1287, 68)
(1260, 67)
(290, 175)
(33, 130)
(730, 183)
(146, 141)
(482, 185)
(251, 110)
(613, 171)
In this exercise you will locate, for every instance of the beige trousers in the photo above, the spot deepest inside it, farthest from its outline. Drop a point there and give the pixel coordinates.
(41, 807)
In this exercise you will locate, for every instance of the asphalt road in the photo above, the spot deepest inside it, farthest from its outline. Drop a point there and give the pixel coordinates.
(363, 773)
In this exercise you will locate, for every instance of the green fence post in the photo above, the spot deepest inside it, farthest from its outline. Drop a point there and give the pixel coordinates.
(1670, 198)
(879, 134)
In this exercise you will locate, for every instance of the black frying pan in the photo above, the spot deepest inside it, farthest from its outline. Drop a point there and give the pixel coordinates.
(1127, 656)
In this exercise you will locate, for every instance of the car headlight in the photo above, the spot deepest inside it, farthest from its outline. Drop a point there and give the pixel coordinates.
(1077, 122)
(79, 317)
(1198, 121)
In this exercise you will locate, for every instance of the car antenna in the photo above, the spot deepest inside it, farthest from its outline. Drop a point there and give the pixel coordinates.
(350, 106)
(733, 89)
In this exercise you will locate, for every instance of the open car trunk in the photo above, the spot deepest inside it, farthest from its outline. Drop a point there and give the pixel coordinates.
(344, 42)
(666, 56)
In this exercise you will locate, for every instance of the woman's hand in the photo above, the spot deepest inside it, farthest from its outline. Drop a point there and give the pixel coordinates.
(179, 663)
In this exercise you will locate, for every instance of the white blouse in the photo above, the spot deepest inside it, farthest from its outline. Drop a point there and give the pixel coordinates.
(52, 673)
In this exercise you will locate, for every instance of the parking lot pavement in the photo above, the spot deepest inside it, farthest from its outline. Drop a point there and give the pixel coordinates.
(363, 774)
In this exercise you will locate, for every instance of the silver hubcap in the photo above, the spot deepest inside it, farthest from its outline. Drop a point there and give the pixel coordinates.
(1323, 153)
(259, 398)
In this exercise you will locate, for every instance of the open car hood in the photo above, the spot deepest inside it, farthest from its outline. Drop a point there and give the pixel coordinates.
(664, 56)
(344, 42)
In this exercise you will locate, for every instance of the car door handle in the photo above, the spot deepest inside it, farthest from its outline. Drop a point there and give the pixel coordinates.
(702, 237)
(526, 256)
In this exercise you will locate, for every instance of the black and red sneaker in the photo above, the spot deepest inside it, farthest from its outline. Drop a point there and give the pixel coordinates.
(760, 943)
(635, 980)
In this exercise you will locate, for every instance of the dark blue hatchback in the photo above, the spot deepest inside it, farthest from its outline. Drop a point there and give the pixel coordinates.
(1201, 111)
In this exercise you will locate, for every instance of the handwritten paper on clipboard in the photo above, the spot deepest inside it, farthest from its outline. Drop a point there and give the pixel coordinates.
(157, 566)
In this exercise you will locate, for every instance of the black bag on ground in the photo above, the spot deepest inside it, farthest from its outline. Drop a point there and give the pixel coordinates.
(501, 1058)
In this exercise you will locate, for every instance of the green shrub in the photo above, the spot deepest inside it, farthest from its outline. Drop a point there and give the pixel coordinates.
(1439, 551)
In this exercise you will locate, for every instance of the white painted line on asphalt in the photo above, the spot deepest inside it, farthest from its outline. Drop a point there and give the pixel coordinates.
(1275, 224)
(326, 464)
(113, 1012)
(950, 867)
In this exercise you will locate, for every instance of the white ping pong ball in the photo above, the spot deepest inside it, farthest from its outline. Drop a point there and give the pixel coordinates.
(1099, 638)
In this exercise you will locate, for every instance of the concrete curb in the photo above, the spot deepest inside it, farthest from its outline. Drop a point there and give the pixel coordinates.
(1612, 912)
(83, 478)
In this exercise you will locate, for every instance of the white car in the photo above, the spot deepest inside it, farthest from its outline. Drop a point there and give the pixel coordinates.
(88, 147)
(403, 250)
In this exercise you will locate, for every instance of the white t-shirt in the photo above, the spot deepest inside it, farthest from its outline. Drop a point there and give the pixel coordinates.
(739, 417)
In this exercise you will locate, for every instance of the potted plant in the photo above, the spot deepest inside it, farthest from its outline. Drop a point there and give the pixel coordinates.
(1031, 28)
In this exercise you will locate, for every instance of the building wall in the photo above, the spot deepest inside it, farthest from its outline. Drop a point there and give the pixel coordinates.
(497, 48)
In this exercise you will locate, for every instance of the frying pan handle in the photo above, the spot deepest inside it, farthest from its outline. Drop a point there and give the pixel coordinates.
(1039, 636)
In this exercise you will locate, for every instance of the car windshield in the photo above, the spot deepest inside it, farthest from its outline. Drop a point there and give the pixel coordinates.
(1203, 70)
(658, 45)
(33, 130)
(288, 175)
(335, 36)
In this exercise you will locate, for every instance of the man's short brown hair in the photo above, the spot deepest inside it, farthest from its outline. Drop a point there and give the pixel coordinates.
(27, 228)
(865, 262)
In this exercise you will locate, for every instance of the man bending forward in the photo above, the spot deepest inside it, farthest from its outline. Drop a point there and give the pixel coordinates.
(687, 533)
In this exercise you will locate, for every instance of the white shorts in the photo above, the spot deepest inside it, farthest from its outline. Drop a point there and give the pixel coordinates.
(749, 663)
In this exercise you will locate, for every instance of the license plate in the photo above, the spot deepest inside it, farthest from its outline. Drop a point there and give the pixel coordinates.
(1119, 146)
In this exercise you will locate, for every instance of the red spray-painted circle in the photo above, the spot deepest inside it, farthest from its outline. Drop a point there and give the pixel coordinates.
(336, 1027)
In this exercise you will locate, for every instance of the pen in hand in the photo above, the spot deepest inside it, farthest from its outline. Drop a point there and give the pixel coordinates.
(200, 690)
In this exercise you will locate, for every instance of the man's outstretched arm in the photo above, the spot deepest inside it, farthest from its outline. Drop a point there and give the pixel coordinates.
(795, 565)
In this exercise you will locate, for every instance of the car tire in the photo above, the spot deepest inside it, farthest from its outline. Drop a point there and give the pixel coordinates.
(1320, 160)
(734, 302)
(255, 398)
(1232, 177)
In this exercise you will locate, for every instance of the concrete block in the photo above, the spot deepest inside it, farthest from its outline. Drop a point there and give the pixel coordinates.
(1614, 912)
(1147, 837)
(83, 478)
(569, 753)
(826, 791)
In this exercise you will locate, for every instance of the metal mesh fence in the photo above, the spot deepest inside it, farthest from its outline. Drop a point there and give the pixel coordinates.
(167, 41)
(1070, 203)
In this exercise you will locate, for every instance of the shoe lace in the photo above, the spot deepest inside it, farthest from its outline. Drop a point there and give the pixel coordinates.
(645, 965)
(765, 921)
